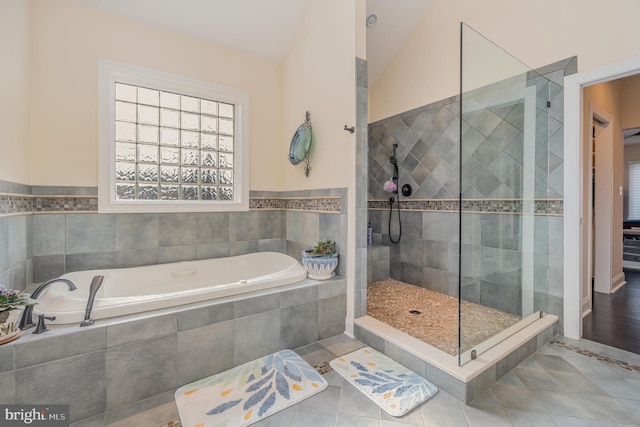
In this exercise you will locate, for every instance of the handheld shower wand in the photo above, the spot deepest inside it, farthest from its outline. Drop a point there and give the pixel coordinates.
(394, 161)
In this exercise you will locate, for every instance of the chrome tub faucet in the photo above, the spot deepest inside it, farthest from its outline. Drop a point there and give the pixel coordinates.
(27, 317)
(96, 282)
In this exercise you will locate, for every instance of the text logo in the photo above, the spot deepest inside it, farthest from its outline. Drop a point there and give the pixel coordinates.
(34, 415)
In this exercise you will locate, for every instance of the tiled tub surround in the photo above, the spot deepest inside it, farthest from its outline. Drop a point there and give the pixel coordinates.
(72, 242)
(16, 228)
(135, 363)
(429, 159)
(39, 245)
(16, 267)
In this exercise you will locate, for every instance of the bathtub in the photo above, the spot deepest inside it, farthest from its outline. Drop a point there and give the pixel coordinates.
(138, 289)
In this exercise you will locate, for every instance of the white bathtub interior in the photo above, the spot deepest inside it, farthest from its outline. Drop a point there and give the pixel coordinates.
(138, 289)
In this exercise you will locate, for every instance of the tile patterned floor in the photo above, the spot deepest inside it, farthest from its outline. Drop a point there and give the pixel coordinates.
(565, 383)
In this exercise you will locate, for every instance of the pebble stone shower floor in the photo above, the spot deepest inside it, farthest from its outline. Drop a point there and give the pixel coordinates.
(392, 302)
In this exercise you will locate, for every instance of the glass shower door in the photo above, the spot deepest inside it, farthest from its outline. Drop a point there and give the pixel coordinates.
(504, 179)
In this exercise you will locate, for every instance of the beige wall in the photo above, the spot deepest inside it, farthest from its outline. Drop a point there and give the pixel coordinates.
(538, 32)
(630, 102)
(66, 41)
(607, 96)
(14, 90)
(318, 76)
(361, 30)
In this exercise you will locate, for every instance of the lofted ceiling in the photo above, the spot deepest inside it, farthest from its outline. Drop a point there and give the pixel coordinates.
(396, 21)
(265, 27)
(632, 136)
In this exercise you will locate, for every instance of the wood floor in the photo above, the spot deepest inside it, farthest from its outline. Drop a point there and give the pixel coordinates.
(615, 319)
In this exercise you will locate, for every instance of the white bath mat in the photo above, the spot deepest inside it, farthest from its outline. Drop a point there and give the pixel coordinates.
(248, 393)
(390, 385)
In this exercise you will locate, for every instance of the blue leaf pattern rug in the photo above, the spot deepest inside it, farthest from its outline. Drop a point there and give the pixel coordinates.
(390, 385)
(248, 393)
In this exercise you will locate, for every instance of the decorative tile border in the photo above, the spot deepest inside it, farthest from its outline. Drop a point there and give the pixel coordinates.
(446, 205)
(314, 204)
(15, 204)
(43, 204)
(12, 204)
(537, 206)
(597, 356)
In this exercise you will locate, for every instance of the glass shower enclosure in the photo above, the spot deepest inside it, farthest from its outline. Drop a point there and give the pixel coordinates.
(504, 185)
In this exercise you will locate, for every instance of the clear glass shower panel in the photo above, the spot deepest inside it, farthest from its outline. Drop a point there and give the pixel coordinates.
(504, 176)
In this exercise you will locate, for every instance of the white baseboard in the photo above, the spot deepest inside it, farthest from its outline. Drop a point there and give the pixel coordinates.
(348, 328)
(618, 282)
(586, 306)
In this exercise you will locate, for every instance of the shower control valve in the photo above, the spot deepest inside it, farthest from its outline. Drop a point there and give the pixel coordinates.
(407, 190)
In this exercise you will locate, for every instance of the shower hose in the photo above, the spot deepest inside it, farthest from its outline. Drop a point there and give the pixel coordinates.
(391, 202)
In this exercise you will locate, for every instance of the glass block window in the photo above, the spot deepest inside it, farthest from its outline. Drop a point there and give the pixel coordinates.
(170, 142)
(172, 147)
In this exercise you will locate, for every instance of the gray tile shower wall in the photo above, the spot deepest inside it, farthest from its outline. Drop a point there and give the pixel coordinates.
(362, 148)
(428, 155)
(37, 245)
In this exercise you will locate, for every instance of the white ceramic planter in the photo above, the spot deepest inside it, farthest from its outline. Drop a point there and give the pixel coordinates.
(319, 267)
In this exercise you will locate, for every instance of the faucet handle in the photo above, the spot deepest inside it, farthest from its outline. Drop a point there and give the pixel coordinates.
(42, 327)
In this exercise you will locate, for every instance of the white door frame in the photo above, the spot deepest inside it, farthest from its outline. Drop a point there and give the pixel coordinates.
(602, 261)
(574, 270)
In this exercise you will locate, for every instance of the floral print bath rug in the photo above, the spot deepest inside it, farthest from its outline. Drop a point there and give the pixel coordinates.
(248, 393)
(390, 385)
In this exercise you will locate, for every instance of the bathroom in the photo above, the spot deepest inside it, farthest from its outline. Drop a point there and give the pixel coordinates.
(50, 223)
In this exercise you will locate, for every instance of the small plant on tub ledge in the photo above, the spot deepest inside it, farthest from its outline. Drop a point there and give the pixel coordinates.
(11, 305)
(321, 260)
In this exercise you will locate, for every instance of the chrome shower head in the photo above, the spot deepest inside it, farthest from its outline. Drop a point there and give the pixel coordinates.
(394, 162)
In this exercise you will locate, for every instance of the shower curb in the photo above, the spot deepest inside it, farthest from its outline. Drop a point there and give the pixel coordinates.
(463, 383)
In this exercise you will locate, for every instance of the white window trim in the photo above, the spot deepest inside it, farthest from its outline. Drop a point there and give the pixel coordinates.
(108, 73)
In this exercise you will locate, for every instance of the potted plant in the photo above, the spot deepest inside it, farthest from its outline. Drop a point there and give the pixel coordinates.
(321, 260)
(11, 305)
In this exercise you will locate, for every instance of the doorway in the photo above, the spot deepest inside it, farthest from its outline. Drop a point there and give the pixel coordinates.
(577, 218)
